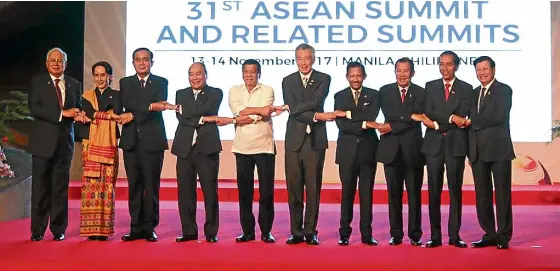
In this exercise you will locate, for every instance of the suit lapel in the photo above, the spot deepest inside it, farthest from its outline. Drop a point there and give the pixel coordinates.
(451, 103)
(488, 96)
(148, 90)
(188, 97)
(362, 98)
(452, 93)
(202, 96)
(51, 91)
(410, 95)
(479, 108)
(297, 87)
(349, 98)
(69, 94)
(440, 92)
(396, 94)
(312, 83)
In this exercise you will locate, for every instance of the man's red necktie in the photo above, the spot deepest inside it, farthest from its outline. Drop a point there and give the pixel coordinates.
(58, 92)
(403, 94)
(447, 85)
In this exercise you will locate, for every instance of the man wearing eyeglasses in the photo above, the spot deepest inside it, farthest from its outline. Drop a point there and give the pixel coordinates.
(55, 100)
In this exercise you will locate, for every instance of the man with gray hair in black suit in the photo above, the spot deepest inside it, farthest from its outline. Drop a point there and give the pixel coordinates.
(304, 94)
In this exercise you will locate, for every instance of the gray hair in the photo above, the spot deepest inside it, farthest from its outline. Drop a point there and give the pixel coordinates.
(64, 56)
(305, 46)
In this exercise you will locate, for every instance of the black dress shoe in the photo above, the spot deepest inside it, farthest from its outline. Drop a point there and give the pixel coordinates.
(151, 236)
(416, 243)
(59, 237)
(185, 238)
(132, 237)
(370, 241)
(312, 240)
(36, 238)
(502, 246)
(433, 243)
(92, 238)
(343, 241)
(293, 240)
(102, 238)
(483, 243)
(458, 243)
(268, 238)
(211, 239)
(394, 241)
(245, 238)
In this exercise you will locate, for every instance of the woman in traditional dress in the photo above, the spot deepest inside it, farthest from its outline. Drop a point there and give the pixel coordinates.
(100, 155)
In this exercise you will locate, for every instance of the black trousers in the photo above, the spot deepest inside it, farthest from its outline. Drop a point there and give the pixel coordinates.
(454, 167)
(143, 170)
(49, 193)
(349, 174)
(245, 184)
(206, 167)
(304, 169)
(398, 174)
(483, 173)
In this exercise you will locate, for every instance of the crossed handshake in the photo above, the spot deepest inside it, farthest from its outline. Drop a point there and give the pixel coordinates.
(81, 117)
(164, 105)
(461, 122)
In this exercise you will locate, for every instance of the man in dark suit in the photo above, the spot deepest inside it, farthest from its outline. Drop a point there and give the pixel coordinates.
(357, 108)
(197, 146)
(143, 141)
(445, 143)
(402, 104)
(54, 101)
(304, 94)
(490, 153)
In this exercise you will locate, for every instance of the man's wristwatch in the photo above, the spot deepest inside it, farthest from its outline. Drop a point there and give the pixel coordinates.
(234, 121)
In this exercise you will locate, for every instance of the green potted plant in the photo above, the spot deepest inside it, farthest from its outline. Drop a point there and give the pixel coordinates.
(13, 109)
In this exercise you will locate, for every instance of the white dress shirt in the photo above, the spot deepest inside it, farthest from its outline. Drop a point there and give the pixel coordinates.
(145, 79)
(256, 137)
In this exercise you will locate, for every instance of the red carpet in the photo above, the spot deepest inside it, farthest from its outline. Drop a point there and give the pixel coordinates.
(331, 193)
(534, 226)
